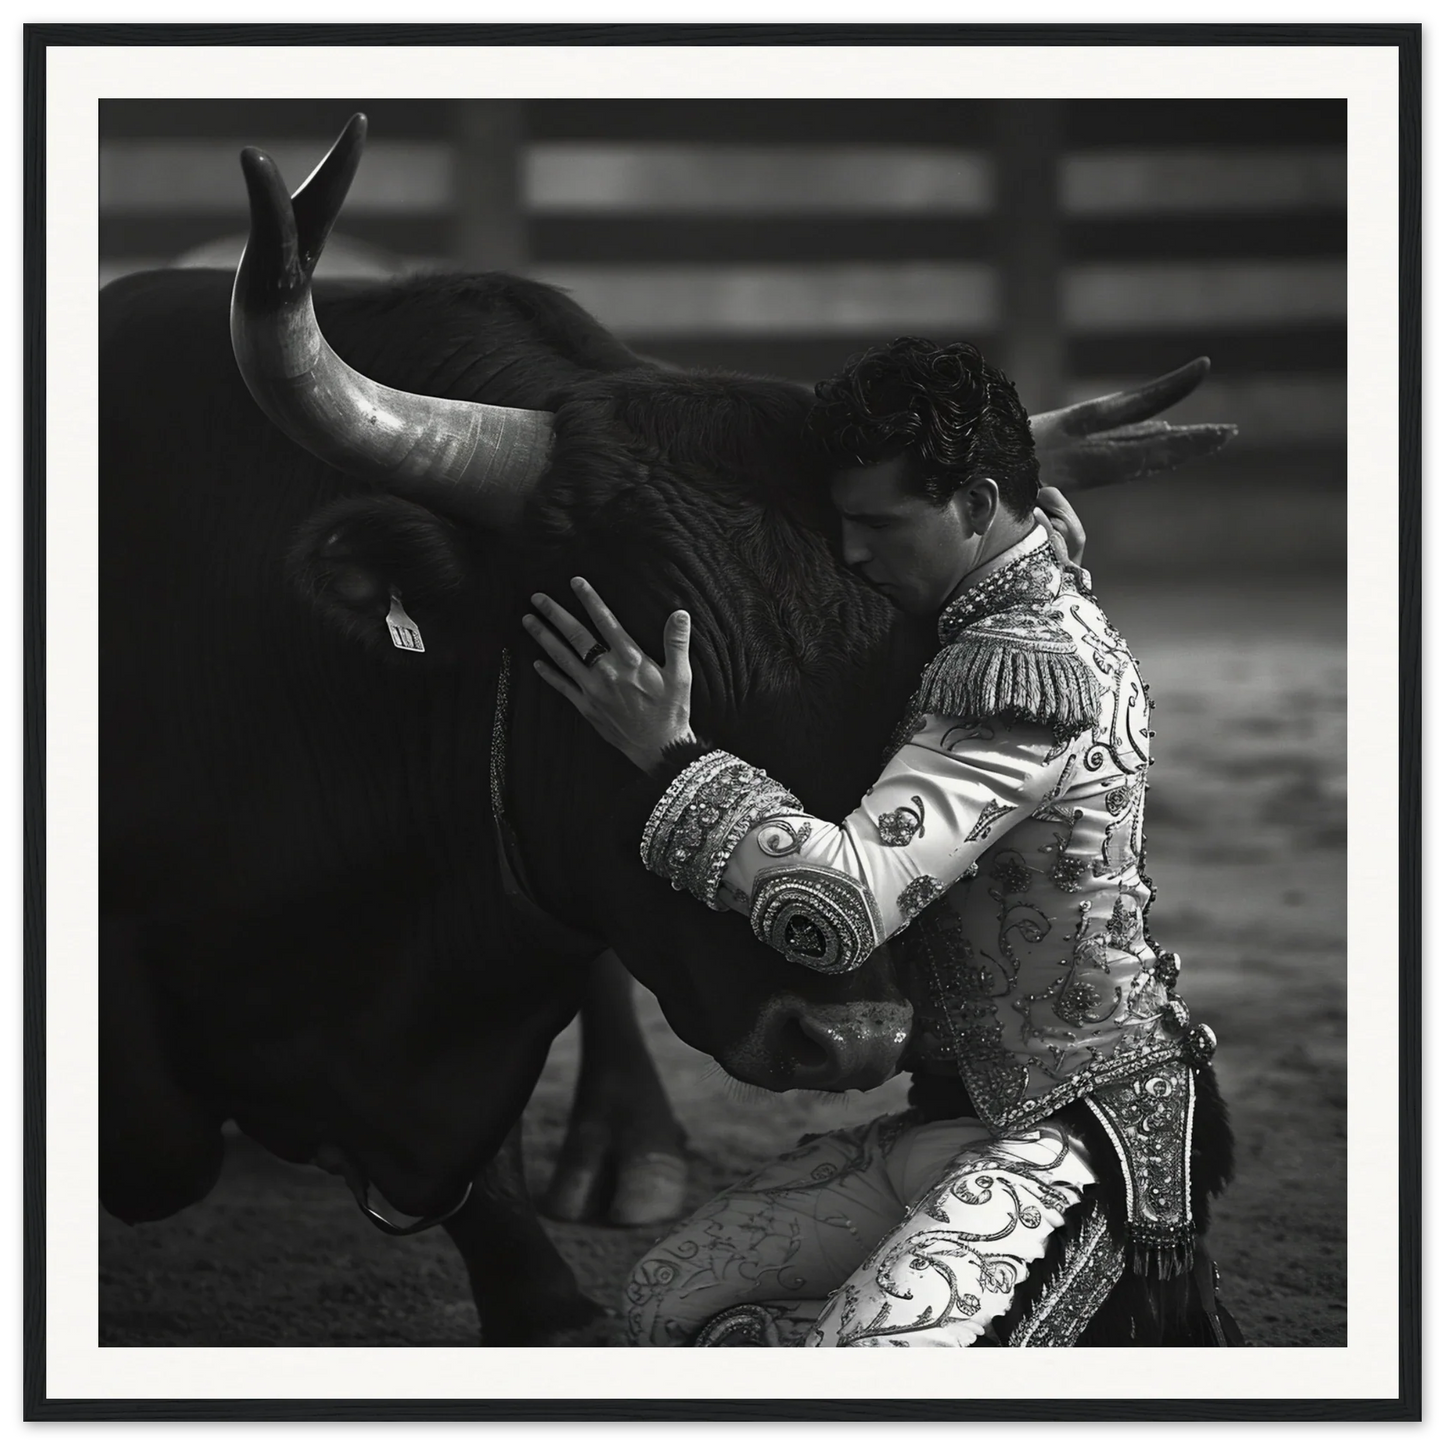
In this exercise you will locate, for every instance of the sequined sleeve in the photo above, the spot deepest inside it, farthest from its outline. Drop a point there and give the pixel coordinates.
(827, 894)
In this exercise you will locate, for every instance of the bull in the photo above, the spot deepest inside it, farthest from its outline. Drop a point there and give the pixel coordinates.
(350, 889)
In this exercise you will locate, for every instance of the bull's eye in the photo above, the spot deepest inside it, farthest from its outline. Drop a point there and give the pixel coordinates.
(354, 585)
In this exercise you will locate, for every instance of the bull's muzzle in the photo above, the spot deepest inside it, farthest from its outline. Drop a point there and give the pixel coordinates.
(796, 1044)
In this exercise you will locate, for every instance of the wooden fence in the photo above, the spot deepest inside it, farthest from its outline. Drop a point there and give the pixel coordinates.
(1082, 244)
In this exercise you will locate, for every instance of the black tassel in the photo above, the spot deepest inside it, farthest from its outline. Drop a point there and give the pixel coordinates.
(1161, 1254)
(993, 674)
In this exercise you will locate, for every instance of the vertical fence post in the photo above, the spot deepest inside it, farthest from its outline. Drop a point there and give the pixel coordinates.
(1027, 135)
(490, 231)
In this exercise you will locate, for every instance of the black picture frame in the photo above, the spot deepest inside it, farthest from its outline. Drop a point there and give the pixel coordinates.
(39, 40)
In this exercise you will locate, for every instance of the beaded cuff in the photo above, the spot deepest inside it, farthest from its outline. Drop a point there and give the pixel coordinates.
(676, 757)
(820, 917)
(702, 817)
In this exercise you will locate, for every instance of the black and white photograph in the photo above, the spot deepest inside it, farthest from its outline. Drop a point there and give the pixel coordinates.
(305, 762)
(723, 721)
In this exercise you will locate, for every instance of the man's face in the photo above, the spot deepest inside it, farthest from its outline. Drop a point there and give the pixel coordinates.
(910, 550)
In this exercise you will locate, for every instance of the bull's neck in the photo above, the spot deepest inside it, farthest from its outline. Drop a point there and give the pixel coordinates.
(559, 774)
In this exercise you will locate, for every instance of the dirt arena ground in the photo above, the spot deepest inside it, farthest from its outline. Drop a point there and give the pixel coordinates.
(1247, 846)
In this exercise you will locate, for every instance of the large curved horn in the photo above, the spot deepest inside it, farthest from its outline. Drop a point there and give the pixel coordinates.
(1129, 452)
(1119, 437)
(463, 456)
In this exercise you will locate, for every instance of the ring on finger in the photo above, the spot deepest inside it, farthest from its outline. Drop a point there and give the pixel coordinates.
(594, 652)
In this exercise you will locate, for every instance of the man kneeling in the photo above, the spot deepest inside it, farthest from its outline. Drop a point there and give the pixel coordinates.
(1049, 1184)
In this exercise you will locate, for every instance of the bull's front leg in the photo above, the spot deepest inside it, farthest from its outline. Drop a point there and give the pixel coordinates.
(623, 1157)
(525, 1292)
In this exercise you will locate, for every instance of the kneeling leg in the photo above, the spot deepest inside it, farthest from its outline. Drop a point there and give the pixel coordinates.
(951, 1268)
(786, 1237)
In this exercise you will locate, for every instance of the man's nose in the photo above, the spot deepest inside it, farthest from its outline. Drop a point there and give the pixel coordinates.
(855, 550)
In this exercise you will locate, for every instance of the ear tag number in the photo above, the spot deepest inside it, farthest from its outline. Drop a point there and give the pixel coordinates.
(405, 634)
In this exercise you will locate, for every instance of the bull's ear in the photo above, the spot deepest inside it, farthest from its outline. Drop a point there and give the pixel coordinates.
(353, 559)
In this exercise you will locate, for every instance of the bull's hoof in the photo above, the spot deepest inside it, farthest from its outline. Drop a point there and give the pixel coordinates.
(651, 1189)
(600, 1177)
(555, 1326)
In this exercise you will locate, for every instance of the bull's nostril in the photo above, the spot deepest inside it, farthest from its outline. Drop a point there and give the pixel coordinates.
(798, 1045)
(801, 1044)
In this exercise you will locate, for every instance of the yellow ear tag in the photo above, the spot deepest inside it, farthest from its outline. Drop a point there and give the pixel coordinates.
(405, 634)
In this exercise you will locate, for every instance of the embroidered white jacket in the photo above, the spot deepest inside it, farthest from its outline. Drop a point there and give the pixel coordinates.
(1005, 835)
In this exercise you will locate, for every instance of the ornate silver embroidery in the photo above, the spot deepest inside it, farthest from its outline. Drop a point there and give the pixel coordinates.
(820, 917)
(779, 838)
(1092, 1265)
(1032, 577)
(1150, 1121)
(990, 1218)
(740, 1327)
(1166, 967)
(1011, 873)
(1067, 872)
(992, 811)
(1123, 927)
(997, 1082)
(917, 895)
(1085, 1001)
(1119, 852)
(1200, 1044)
(900, 827)
(703, 816)
(909, 726)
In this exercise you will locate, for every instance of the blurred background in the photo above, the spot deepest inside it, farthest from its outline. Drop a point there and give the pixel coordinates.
(1084, 246)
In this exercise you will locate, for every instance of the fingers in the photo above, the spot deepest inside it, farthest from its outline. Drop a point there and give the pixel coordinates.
(554, 679)
(676, 638)
(1053, 502)
(1056, 538)
(575, 633)
(1064, 520)
(561, 652)
(613, 632)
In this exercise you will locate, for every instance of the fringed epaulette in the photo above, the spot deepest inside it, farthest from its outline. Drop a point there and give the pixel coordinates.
(1018, 664)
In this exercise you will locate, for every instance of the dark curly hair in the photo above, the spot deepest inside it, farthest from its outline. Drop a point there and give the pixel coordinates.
(952, 413)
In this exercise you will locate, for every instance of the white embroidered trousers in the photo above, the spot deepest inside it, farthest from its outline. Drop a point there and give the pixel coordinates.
(887, 1234)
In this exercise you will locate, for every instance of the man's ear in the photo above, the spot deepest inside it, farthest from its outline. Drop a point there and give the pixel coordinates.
(350, 559)
(978, 504)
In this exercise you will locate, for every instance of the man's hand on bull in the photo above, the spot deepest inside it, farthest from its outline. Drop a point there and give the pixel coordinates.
(1066, 531)
(633, 703)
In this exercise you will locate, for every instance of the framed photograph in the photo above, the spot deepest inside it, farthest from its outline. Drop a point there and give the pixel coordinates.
(367, 1064)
